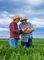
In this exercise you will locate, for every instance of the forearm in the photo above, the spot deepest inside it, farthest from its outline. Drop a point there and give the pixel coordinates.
(31, 29)
(15, 31)
(26, 32)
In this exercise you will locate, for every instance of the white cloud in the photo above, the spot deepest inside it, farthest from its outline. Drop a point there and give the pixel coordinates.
(35, 2)
(32, 12)
(6, 17)
(5, 20)
(31, 2)
(6, 14)
(4, 29)
(37, 22)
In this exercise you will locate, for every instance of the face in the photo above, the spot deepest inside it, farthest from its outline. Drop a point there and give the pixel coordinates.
(17, 20)
(24, 21)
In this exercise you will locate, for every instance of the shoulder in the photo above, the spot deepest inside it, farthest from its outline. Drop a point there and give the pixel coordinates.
(11, 23)
(20, 24)
(28, 23)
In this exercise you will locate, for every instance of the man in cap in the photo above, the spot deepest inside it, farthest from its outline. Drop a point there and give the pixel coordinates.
(14, 31)
(26, 37)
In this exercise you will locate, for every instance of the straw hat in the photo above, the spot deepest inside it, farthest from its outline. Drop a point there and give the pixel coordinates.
(23, 18)
(16, 17)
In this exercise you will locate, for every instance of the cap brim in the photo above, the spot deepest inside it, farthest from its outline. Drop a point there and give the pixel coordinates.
(23, 19)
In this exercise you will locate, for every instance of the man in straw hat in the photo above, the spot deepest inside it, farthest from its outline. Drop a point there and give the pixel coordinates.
(26, 37)
(14, 31)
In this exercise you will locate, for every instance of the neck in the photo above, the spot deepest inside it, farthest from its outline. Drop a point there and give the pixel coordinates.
(15, 21)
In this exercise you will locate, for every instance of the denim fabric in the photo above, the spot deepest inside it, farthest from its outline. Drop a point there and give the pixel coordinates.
(24, 44)
(27, 44)
(13, 42)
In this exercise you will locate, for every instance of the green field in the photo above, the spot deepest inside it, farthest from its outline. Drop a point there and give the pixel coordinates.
(22, 53)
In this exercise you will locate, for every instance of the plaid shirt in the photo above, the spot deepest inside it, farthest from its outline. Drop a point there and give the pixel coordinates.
(25, 37)
(14, 31)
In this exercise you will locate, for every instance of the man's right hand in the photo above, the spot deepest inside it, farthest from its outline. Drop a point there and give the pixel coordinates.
(25, 31)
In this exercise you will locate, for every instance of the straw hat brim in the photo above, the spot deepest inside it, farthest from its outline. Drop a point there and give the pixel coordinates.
(16, 17)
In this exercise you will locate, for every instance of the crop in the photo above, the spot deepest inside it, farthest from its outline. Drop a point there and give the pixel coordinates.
(22, 53)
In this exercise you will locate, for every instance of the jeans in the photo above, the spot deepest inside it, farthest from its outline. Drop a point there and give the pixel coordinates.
(27, 44)
(13, 42)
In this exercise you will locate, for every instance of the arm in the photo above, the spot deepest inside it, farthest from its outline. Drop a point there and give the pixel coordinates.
(31, 29)
(25, 32)
(13, 29)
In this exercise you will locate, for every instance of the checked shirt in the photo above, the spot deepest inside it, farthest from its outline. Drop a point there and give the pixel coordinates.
(25, 37)
(14, 31)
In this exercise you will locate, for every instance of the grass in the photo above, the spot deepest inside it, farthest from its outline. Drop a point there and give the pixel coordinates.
(22, 53)
(34, 41)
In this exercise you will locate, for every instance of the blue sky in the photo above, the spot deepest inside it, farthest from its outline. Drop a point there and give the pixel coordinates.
(32, 9)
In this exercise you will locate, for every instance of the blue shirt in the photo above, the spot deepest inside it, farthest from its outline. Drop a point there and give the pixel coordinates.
(25, 37)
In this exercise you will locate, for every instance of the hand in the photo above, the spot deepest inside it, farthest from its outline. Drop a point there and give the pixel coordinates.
(26, 32)
(23, 30)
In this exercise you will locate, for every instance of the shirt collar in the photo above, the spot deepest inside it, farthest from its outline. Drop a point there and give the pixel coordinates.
(26, 23)
(15, 23)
